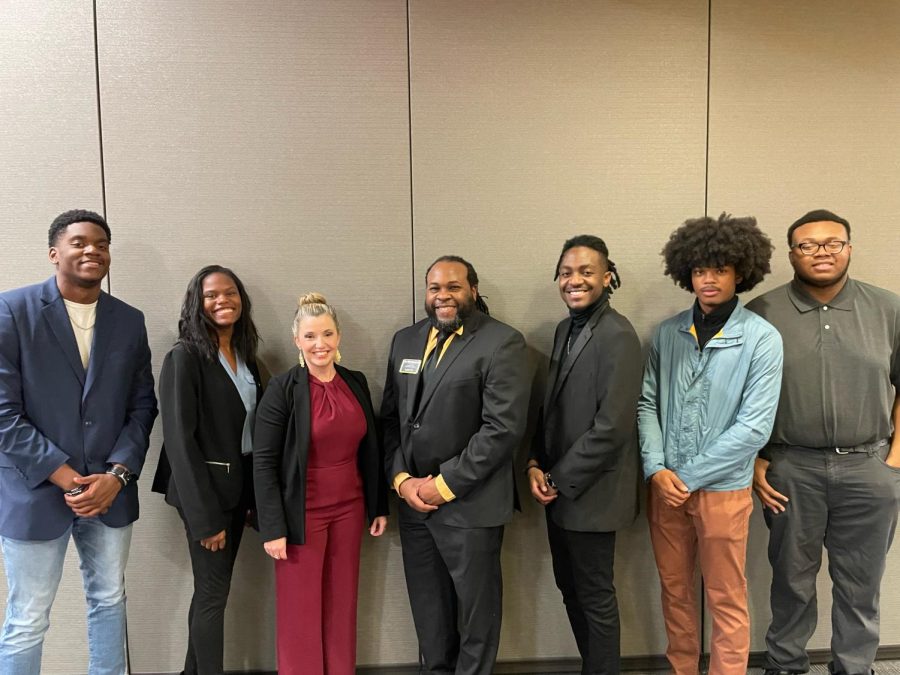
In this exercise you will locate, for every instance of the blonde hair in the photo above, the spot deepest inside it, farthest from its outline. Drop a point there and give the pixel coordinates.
(313, 304)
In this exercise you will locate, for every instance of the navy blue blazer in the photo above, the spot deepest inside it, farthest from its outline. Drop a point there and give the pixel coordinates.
(53, 412)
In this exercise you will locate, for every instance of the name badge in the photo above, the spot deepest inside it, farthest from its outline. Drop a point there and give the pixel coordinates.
(410, 366)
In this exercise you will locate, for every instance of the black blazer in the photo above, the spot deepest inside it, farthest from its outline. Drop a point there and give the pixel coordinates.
(281, 450)
(587, 438)
(201, 468)
(469, 421)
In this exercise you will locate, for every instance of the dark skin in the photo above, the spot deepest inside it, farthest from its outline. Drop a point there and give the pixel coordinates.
(222, 304)
(446, 290)
(822, 275)
(81, 256)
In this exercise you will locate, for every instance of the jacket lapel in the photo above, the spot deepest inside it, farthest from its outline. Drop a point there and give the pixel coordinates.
(454, 349)
(413, 382)
(301, 412)
(103, 328)
(55, 315)
(559, 346)
(568, 360)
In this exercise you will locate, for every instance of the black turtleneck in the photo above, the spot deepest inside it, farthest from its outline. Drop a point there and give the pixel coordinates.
(707, 325)
(580, 317)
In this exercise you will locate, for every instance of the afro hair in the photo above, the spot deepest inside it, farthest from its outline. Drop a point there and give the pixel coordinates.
(707, 242)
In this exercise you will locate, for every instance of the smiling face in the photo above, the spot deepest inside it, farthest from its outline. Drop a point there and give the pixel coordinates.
(583, 275)
(81, 256)
(821, 269)
(221, 301)
(318, 339)
(714, 286)
(449, 299)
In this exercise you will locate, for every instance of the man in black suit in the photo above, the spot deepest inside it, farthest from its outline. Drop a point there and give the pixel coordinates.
(584, 463)
(454, 412)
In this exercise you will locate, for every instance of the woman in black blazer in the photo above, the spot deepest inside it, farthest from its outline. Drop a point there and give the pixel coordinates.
(208, 390)
(319, 478)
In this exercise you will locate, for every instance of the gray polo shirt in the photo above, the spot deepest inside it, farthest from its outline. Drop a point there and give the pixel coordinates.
(841, 364)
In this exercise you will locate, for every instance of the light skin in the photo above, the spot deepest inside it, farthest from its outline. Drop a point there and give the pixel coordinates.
(81, 256)
(822, 275)
(448, 297)
(318, 340)
(583, 276)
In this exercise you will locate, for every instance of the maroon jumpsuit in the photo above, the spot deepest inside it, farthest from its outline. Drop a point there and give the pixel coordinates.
(316, 587)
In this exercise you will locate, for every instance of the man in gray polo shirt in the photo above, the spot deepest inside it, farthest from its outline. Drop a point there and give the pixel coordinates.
(831, 471)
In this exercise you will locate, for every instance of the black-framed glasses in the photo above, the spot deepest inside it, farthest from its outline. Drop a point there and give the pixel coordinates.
(811, 247)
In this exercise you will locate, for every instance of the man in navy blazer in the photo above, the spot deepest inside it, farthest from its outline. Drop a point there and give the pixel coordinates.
(454, 413)
(76, 410)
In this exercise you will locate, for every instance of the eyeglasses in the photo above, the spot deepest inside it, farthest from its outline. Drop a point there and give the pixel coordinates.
(811, 247)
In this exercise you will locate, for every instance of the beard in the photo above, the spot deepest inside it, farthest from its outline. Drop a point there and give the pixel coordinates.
(463, 311)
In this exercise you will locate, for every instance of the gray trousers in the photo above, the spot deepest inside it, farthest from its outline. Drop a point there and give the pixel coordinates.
(849, 502)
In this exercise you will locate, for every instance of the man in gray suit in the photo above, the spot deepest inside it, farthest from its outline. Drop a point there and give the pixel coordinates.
(454, 411)
(584, 462)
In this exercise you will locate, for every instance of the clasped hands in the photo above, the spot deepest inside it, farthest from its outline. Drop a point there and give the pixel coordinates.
(100, 490)
(421, 494)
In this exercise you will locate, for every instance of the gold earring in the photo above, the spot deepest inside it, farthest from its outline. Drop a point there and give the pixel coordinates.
(337, 356)
(300, 359)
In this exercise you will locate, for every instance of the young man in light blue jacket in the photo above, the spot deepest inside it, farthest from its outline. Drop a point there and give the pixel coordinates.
(708, 401)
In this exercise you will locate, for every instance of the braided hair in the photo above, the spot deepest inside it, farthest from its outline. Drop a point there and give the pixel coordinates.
(597, 244)
(471, 277)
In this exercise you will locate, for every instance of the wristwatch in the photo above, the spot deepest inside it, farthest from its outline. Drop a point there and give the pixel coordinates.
(123, 474)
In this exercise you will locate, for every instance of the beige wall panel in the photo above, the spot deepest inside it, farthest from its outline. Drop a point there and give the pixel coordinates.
(50, 153)
(805, 113)
(532, 122)
(271, 138)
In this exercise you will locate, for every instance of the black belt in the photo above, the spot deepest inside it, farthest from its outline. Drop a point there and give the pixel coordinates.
(862, 447)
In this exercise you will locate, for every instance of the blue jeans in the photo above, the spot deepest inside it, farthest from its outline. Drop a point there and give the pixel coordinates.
(33, 571)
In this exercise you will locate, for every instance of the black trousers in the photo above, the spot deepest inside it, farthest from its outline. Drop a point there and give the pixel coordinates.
(583, 568)
(456, 593)
(212, 582)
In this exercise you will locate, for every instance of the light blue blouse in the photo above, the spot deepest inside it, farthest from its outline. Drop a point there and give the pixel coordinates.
(246, 386)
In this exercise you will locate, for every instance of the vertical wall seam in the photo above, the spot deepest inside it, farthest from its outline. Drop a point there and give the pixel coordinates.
(708, 80)
(100, 126)
(412, 217)
(704, 647)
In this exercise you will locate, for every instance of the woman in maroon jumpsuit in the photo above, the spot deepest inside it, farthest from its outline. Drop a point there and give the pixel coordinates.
(318, 476)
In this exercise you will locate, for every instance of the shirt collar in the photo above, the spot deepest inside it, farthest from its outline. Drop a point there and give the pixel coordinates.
(432, 334)
(805, 302)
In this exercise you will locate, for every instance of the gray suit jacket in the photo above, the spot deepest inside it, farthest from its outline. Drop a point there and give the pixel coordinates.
(468, 423)
(587, 438)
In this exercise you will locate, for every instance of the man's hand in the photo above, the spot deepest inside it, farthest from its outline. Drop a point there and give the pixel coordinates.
(215, 542)
(409, 491)
(64, 477)
(670, 487)
(768, 496)
(543, 493)
(101, 490)
(429, 494)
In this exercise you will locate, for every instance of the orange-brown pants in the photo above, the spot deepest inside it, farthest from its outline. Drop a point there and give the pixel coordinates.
(713, 527)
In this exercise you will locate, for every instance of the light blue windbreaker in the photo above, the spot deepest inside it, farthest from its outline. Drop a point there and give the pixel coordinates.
(705, 414)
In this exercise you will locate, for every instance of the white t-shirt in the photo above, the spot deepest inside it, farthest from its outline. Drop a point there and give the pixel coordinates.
(82, 318)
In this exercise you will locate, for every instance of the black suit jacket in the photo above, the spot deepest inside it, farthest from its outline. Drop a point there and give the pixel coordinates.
(587, 438)
(201, 468)
(468, 423)
(281, 449)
